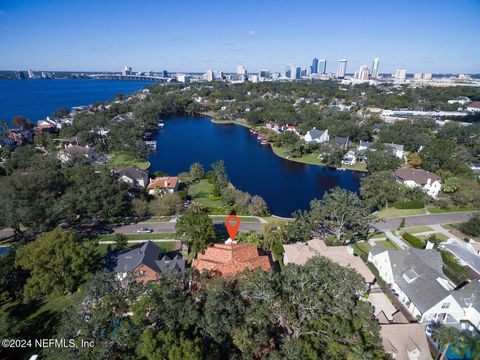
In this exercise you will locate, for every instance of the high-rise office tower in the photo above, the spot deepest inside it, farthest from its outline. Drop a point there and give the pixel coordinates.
(342, 68)
(127, 70)
(376, 62)
(363, 73)
(209, 75)
(241, 70)
(315, 66)
(31, 75)
(400, 74)
(322, 66)
(295, 72)
(264, 74)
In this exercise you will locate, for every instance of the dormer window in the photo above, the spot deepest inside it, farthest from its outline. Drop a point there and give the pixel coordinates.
(413, 354)
(410, 275)
(445, 305)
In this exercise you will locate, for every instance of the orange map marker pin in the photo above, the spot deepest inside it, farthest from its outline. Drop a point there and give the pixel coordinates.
(232, 229)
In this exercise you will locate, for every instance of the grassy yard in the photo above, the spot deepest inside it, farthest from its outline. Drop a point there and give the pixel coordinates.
(439, 236)
(242, 218)
(453, 209)
(362, 249)
(123, 160)
(418, 229)
(378, 236)
(38, 319)
(201, 192)
(393, 212)
(165, 247)
(313, 159)
(389, 245)
(152, 236)
(241, 122)
(156, 219)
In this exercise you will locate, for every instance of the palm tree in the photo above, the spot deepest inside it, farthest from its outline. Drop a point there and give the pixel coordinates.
(469, 342)
(446, 336)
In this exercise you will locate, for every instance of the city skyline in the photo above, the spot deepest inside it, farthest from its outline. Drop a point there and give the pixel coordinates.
(178, 37)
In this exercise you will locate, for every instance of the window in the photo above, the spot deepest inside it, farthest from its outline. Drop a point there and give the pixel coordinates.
(445, 305)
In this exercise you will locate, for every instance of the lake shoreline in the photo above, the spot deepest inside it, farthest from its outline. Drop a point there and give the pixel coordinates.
(275, 150)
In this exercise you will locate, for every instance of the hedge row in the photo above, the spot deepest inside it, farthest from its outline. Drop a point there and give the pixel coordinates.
(410, 204)
(413, 240)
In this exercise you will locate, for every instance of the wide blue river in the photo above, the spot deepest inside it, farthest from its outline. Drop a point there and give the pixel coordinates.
(285, 185)
(35, 99)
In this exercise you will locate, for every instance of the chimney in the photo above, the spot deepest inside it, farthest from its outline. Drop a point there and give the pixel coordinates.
(166, 183)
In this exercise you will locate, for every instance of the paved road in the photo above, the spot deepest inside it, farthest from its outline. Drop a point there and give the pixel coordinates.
(424, 220)
(169, 227)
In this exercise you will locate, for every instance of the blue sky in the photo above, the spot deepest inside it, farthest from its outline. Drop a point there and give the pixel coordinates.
(419, 35)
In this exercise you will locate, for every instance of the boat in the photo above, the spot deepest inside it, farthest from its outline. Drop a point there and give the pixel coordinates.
(161, 124)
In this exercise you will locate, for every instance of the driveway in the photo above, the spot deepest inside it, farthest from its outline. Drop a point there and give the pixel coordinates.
(424, 220)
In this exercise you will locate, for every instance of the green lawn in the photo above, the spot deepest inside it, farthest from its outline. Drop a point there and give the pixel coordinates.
(313, 159)
(393, 212)
(378, 236)
(241, 122)
(123, 160)
(38, 319)
(201, 192)
(152, 236)
(165, 247)
(362, 249)
(242, 218)
(388, 244)
(453, 209)
(156, 219)
(439, 236)
(418, 229)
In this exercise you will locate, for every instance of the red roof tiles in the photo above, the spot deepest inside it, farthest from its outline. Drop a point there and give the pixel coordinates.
(167, 182)
(231, 259)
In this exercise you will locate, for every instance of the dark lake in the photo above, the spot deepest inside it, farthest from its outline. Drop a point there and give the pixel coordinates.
(285, 185)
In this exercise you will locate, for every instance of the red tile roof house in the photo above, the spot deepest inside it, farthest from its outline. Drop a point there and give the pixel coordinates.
(224, 260)
(162, 185)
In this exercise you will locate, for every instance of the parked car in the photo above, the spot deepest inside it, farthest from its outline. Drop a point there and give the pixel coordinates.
(144, 231)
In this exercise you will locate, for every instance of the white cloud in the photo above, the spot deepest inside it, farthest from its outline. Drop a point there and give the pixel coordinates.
(252, 33)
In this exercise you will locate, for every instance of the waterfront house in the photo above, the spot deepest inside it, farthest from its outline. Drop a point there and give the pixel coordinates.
(161, 185)
(299, 253)
(341, 141)
(134, 176)
(21, 137)
(416, 278)
(316, 136)
(350, 157)
(231, 258)
(405, 341)
(429, 182)
(143, 263)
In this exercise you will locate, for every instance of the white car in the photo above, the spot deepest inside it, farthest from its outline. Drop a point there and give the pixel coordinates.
(144, 231)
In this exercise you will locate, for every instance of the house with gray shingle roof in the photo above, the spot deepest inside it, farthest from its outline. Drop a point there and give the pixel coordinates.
(143, 263)
(417, 279)
(465, 255)
(315, 136)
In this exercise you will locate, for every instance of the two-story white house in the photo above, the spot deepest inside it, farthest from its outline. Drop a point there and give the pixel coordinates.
(316, 136)
(417, 279)
(428, 181)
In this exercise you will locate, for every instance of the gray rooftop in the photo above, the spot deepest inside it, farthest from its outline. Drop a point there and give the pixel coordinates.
(416, 272)
(340, 140)
(469, 295)
(147, 254)
(366, 144)
(133, 173)
(465, 254)
(396, 147)
(315, 134)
